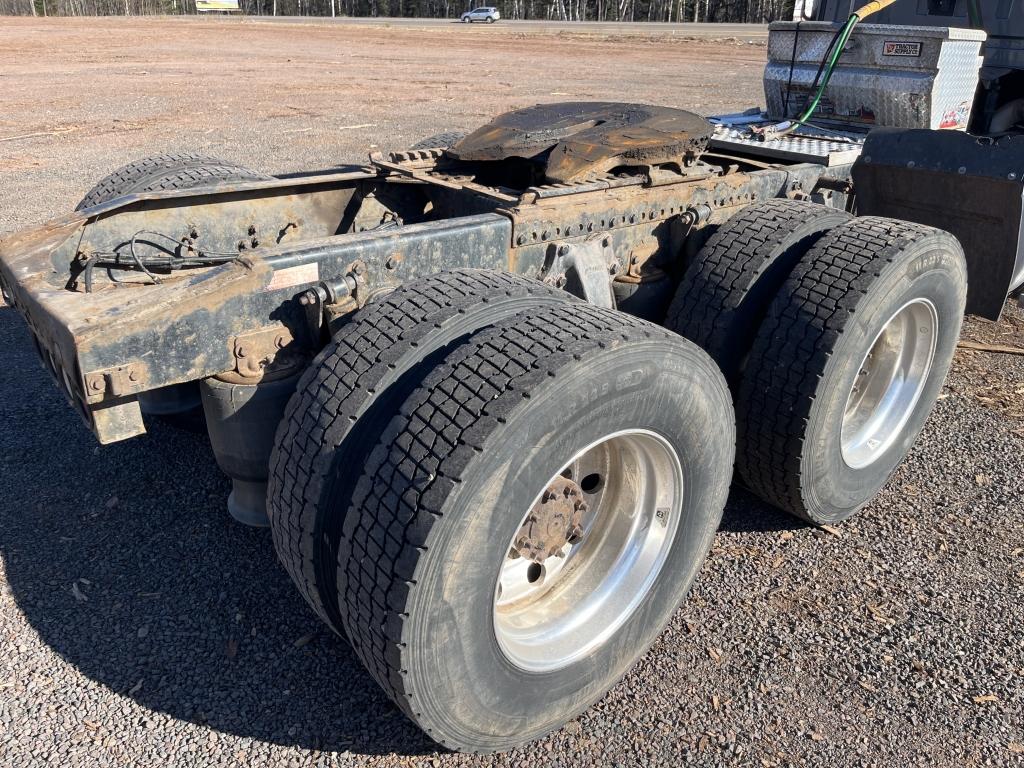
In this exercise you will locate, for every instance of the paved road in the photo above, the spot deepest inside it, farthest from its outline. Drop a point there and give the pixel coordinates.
(744, 32)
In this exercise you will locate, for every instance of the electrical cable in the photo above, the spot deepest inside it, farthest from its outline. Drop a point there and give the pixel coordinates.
(169, 258)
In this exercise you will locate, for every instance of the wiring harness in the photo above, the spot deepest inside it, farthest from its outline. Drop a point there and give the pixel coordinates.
(168, 254)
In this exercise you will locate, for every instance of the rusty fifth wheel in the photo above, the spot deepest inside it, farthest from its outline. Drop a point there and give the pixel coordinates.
(530, 518)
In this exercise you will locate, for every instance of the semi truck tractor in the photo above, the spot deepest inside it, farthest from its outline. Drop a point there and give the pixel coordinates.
(489, 393)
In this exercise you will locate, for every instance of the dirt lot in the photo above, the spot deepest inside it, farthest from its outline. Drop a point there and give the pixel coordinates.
(140, 625)
(81, 96)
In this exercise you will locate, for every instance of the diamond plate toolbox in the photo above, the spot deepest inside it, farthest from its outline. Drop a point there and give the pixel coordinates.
(894, 76)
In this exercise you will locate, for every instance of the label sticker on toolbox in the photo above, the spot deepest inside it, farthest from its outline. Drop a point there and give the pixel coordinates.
(901, 48)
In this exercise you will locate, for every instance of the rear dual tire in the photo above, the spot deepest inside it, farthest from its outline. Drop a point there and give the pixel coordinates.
(347, 396)
(446, 490)
(835, 335)
(725, 292)
(178, 405)
(174, 170)
(821, 425)
(443, 486)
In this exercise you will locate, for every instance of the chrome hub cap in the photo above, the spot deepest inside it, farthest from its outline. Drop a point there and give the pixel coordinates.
(889, 384)
(588, 550)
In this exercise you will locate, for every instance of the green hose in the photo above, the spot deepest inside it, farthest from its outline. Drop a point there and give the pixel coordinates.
(974, 14)
(837, 52)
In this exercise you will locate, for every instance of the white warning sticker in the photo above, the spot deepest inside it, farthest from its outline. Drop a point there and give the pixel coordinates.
(290, 276)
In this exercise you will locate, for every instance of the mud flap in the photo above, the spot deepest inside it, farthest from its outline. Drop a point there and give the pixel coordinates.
(971, 187)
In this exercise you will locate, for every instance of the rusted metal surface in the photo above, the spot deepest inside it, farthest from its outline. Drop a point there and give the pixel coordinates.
(305, 252)
(554, 521)
(257, 351)
(631, 216)
(584, 138)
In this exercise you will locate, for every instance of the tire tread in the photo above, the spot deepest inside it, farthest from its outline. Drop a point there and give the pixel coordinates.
(174, 170)
(338, 388)
(716, 305)
(794, 345)
(428, 449)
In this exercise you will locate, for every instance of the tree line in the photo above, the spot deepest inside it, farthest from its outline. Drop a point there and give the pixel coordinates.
(563, 10)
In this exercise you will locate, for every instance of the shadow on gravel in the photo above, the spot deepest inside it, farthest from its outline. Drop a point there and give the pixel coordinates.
(744, 512)
(125, 562)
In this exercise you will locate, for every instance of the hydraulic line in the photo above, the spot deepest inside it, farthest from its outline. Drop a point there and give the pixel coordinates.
(173, 256)
(828, 65)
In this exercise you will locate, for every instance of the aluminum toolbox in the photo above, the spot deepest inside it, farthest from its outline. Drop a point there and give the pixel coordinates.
(899, 77)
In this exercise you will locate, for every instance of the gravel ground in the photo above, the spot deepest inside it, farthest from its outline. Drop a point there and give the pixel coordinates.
(141, 626)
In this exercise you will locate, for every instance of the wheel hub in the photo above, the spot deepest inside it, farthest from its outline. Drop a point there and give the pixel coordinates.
(889, 384)
(587, 550)
(554, 521)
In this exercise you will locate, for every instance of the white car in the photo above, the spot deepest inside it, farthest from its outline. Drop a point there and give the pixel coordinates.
(490, 15)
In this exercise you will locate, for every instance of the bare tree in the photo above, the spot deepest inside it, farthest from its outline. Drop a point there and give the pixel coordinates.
(569, 10)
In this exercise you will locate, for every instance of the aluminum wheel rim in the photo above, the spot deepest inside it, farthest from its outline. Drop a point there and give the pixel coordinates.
(548, 615)
(889, 383)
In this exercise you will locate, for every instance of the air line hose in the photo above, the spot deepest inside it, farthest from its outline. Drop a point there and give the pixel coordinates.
(832, 56)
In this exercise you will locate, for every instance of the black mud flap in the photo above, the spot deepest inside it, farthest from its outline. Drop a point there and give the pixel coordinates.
(971, 187)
